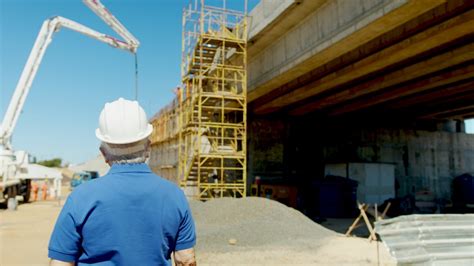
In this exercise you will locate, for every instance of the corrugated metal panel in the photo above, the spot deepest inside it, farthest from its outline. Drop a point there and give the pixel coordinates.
(438, 239)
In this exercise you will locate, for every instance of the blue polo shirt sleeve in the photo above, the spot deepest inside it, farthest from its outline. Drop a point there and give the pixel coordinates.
(64, 244)
(186, 232)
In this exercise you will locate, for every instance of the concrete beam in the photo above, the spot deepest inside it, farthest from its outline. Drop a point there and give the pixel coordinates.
(283, 15)
(443, 92)
(434, 64)
(266, 15)
(453, 110)
(436, 36)
(433, 108)
(436, 82)
(335, 49)
(464, 112)
(427, 20)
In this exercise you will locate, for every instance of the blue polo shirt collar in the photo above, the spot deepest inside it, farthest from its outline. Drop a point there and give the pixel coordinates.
(130, 168)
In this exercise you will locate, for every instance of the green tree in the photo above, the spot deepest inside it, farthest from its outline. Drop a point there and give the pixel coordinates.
(55, 162)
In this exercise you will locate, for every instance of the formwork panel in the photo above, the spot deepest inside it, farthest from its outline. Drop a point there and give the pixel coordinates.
(165, 141)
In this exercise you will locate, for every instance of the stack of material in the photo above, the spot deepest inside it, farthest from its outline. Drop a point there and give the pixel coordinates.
(260, 231)
(253, 222)
(97, 164)
(435, 239)
(165, 123)
(165, 142)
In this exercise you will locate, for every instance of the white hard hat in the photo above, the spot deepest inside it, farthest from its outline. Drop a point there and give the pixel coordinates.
(123, 121)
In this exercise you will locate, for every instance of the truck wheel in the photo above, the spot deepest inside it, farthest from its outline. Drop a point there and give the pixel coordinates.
(27, 191)
(12, 204)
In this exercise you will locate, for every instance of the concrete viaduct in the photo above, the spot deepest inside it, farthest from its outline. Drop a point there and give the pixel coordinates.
(372, 81)
(403, 58)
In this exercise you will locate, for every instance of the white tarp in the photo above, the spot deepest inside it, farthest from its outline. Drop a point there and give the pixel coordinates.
(36, 171)
(39, 172)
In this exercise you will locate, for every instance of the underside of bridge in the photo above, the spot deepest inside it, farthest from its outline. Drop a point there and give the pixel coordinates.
(342, 87)
(416, 62)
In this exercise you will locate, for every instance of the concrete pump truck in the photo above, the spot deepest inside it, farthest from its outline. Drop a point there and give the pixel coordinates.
(13, 163)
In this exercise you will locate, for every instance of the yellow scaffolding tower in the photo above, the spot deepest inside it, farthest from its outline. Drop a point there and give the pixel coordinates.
(213, 109)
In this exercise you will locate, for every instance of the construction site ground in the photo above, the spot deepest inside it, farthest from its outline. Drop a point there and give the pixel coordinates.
(230, 231)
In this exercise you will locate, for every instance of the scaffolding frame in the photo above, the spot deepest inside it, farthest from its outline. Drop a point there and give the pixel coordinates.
(212, 102)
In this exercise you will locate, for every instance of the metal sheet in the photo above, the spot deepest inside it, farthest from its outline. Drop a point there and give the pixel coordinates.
(437, 239)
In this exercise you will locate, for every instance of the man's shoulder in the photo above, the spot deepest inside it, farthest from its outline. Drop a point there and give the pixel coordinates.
(170, 190)
(88, 187)
(170, 187)
(100, 187)
(166, 183)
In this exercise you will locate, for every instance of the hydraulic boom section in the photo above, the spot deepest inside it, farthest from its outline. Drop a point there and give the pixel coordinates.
(9, 166)
(50, 26)
(101, 11)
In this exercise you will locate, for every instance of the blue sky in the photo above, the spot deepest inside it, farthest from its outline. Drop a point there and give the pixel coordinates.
(470, 126)
(79, 74)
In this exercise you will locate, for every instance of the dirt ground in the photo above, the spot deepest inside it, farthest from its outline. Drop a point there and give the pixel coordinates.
(24, 237)
(24, 234)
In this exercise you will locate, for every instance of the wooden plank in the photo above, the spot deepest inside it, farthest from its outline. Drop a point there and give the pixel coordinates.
(386, 23)
(405, 74)
(354, 225)
(384, 213)
(369, 226)
(362, 207)
(436, 36)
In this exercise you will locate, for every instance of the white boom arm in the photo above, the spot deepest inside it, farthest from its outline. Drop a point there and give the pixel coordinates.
(50, 26)
(101, 11)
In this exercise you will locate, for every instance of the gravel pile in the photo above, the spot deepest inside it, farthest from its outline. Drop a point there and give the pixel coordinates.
(229, 225)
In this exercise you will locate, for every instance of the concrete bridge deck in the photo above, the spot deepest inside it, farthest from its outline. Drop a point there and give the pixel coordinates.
(400, 58)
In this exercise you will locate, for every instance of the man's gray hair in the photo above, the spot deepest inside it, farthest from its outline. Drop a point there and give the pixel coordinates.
(136, 152)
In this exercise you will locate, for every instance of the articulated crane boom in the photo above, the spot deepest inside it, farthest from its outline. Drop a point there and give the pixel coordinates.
(50, 26)
(8, 166)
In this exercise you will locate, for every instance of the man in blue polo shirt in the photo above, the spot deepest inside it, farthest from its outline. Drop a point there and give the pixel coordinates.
(129, 216)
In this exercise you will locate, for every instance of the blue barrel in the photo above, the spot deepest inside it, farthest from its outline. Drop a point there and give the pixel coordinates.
(335, 197)
(463, 190)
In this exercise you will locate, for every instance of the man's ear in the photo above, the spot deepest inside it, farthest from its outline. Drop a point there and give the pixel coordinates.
(101, 149)
(147, 148)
